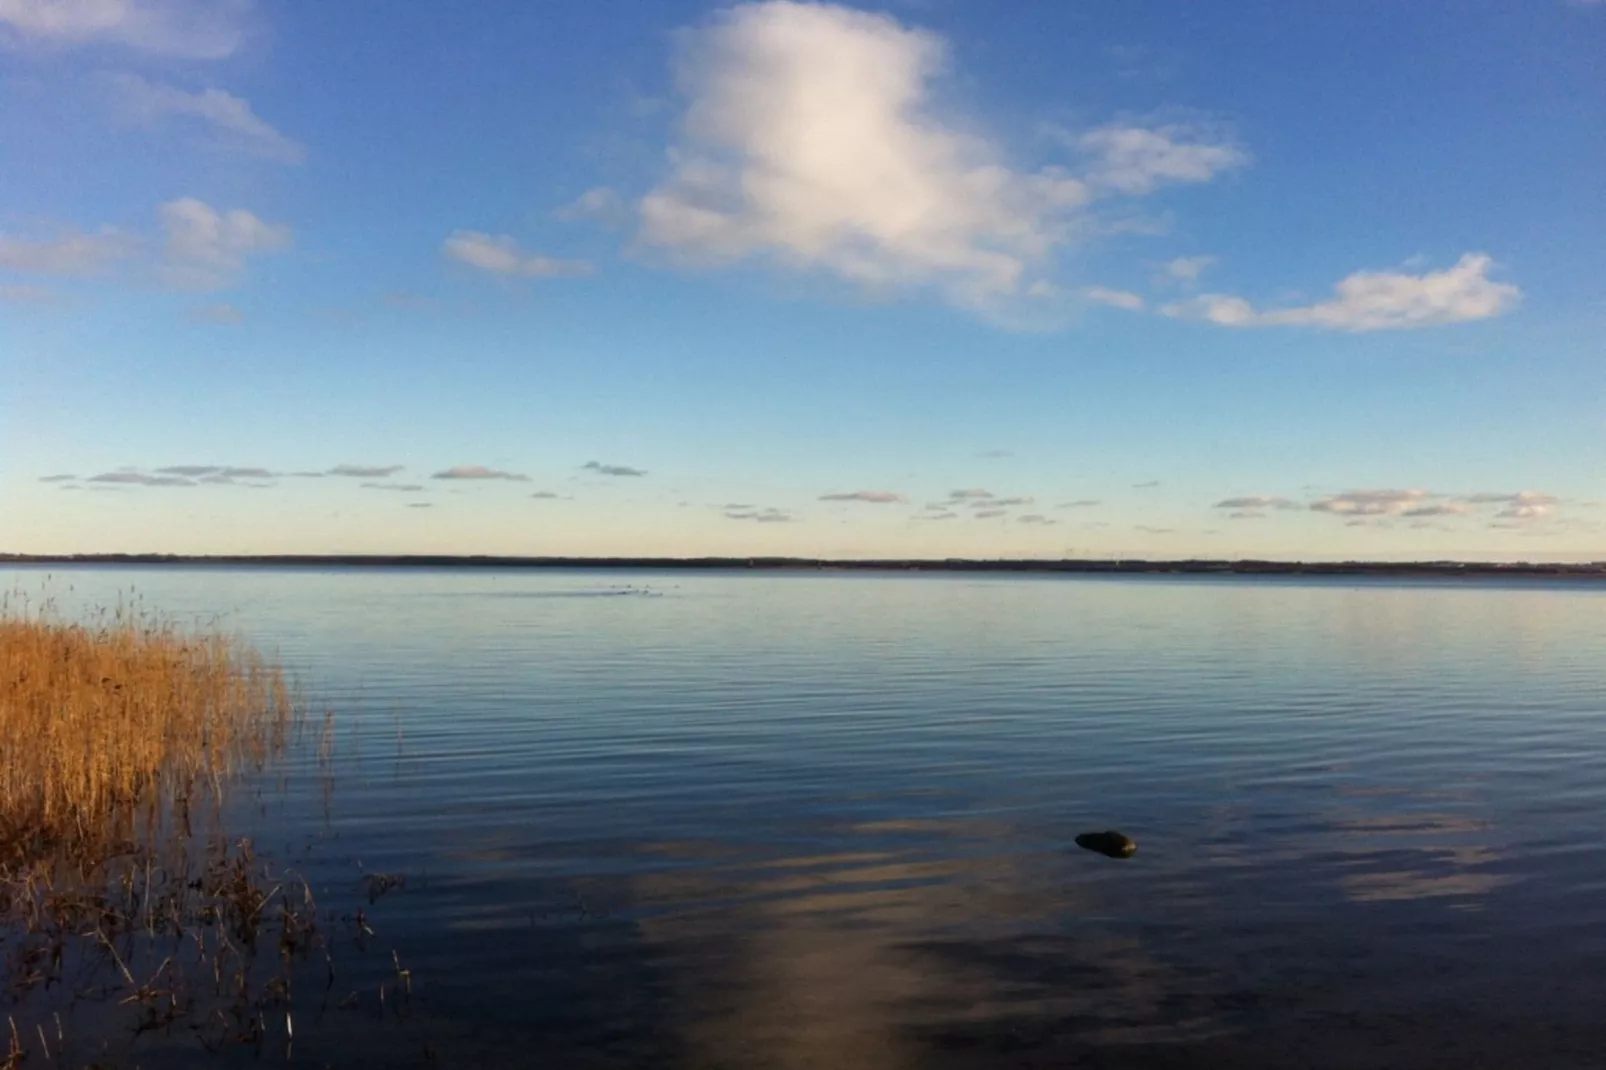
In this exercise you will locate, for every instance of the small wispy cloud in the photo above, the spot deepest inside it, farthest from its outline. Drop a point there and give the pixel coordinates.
(1438, 509)
(1139, 160)
(939, 516)
(989, 514)
(61, 477)
(612, 469)
(499, 254)
(420, 505)
(1371, 502)
(1521, 497)
(228, 118)
(762, 516)
(1036, 518)
(207, 249)
(1003, 502)
(970, 494)
(1079, 503)
(184, 29)
(1149, 530)
(141, 479)
(598, 205)
(874, 497)
(1150, 485)
(216, 315)
(545, 495)
(478, 471)
(1123, 299)
(1374, 301)
(1533, 511)
(404, 488)
(220, 470)
(71, 253)
(1256, 501)
(359, 471)
(1185, 269)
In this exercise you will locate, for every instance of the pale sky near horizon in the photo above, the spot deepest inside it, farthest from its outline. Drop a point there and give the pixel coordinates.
(946, 278)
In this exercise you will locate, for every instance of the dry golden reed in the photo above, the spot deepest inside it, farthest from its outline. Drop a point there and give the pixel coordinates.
(125, 717)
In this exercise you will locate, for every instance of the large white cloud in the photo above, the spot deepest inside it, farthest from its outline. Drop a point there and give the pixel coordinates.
(811, 136)
(1374, 301)
(191, 29)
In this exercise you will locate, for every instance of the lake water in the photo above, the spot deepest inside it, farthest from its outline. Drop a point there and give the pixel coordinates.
(815, 820)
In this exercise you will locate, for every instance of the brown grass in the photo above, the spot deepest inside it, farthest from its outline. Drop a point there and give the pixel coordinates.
(117, 912)
(111, 724)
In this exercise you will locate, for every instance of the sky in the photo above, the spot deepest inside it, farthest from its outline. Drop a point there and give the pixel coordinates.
(919, 279)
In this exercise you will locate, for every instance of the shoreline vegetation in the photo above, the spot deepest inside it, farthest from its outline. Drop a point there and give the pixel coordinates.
(1094, 566)
(131, 922)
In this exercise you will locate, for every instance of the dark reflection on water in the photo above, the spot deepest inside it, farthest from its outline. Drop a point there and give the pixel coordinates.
(803, 821)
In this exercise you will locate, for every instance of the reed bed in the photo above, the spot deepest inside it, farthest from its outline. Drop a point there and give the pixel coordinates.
(127, 911)
(114, 725)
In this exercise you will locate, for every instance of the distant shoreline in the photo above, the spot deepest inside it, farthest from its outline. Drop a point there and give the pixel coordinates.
(1192, 567)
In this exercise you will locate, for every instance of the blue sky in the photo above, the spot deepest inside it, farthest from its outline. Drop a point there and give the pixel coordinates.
(926, 279)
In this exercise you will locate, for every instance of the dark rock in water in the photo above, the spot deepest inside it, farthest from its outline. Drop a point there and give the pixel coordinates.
(1112, 844)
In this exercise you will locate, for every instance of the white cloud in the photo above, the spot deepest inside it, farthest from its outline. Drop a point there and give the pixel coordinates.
(1114, 298)
(127, 477)
(1536, 511)
(1371, 502)
(500, 255)
(814, 137)
(1187, 268)
(72, 253)
(1256, 501)
(811, 136)
(479, 471)
(228, 115)
(207, 249)
(1137, 160)
(1437, 509)
(190, 29)
(1521, 497)
(767, 515)
(612, 469)
(1374, 301)
(359, 471)
(599, 205)
(875, 497)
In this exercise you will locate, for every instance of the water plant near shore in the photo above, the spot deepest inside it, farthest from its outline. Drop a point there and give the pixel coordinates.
(118, 724)
(126, 908)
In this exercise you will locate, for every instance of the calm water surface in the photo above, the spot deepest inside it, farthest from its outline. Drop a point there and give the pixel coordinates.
(809, 820)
